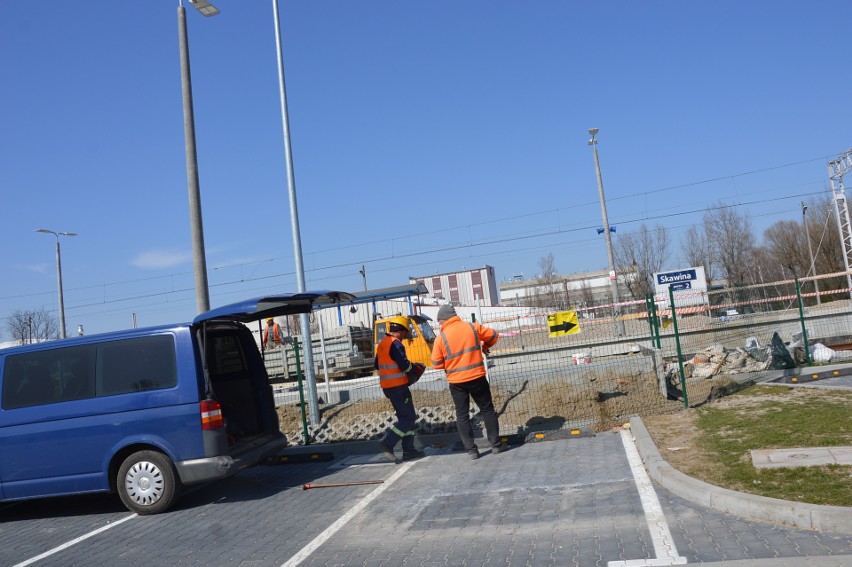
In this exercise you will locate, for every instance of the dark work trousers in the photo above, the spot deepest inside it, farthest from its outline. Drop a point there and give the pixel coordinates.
(406, 417)
(480, 391)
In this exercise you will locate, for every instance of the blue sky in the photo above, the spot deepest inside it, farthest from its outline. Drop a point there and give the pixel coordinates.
(427, 137)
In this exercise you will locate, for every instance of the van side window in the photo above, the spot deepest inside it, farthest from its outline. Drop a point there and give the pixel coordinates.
(47, 377)
(89, 371)
(137, 365)
(27, 382)
(76, 370)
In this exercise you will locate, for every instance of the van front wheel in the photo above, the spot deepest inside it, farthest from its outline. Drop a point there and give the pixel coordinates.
(147, 483)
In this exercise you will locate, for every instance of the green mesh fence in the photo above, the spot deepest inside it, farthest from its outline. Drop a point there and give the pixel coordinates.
(598, 370)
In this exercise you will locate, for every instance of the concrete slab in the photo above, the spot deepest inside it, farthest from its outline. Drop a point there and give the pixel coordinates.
(801, 457)
(843, 455)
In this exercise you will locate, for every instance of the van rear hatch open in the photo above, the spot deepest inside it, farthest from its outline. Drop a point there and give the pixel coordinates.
(234, 374)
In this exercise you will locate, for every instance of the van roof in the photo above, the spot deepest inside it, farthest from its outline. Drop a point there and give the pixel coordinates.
(94, 338)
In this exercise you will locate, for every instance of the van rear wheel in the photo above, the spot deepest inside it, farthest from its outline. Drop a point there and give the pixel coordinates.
(147, 483)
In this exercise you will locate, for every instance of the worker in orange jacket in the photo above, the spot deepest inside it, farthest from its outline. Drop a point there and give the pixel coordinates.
(459, 350)
(396, 373)
(272, 333)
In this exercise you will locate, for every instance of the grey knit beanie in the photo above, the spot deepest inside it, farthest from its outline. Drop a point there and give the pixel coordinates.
(446, 312)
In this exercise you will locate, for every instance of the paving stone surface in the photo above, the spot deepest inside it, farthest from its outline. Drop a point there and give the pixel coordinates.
(567, 502)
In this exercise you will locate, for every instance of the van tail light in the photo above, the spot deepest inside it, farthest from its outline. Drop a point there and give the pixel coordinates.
(211, 415)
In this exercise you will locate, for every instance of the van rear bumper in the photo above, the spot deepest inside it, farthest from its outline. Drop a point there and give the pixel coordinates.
(199, 470)
(211, 468)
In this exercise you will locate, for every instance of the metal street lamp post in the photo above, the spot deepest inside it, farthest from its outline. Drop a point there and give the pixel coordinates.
(810, 251)
(196, 226)
(363, 273)
(613, 278)
(59, 276)
(294, 223)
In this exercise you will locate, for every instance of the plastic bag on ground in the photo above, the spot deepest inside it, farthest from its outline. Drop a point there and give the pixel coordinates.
(757, 352)
(821, 353)
(780, 356)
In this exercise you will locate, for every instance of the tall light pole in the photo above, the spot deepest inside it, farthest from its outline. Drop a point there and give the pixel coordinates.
(810, 251)
(59, 276)
(196, 226)
(363, 273)
(294, 224)
(613, 278)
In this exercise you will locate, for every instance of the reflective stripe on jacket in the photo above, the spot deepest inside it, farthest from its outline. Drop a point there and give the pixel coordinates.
(390, 373)
(458, 350)
(276, 333)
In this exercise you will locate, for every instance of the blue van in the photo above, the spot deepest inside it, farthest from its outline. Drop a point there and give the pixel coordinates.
(142, 412)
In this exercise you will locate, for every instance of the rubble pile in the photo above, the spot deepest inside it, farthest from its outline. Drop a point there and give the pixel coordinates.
(753, 357)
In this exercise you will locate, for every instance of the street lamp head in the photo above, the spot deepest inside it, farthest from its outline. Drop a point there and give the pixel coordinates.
(205, 7)
(804, 207)
(593, 132)
(54, 233)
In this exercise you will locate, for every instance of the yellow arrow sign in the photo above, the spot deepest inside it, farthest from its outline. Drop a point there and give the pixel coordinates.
(563, 323)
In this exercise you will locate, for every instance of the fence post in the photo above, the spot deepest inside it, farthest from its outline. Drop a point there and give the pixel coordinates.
(520, 332)
(656, 321)
(802, 320)
(301, 391)
(679, 355)
(650, 320)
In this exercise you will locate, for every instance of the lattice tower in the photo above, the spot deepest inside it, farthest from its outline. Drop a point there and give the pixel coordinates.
(837, 168)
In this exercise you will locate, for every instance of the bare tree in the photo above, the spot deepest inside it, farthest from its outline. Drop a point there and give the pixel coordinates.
(586, 293)
(34, 325)
(547, 289)
(695, 251)
(785, 243)
(828, 252)
(765, 268)
(643, 253)
(547, 266)
(731, 240)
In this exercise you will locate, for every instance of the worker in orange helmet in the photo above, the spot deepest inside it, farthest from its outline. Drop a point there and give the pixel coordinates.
(396, 374)
(272, 334)
(459, 351)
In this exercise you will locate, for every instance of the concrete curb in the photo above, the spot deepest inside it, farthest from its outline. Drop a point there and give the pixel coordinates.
(837, 519)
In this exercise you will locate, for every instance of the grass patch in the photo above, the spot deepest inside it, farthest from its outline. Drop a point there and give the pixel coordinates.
(767, 417)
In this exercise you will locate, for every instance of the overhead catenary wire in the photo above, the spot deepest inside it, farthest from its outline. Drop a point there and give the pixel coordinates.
(396, 255)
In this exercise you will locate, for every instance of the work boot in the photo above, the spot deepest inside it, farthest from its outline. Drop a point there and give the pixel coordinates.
(409, 454)
(387, 451)
(499, 448)
(473, 454)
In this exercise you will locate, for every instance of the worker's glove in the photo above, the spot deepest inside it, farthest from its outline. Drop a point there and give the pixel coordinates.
(486, 351)
(415, 373)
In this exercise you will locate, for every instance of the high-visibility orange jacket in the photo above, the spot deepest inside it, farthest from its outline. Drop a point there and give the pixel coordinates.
(458, 349)
(276, 333)
(392, 363)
